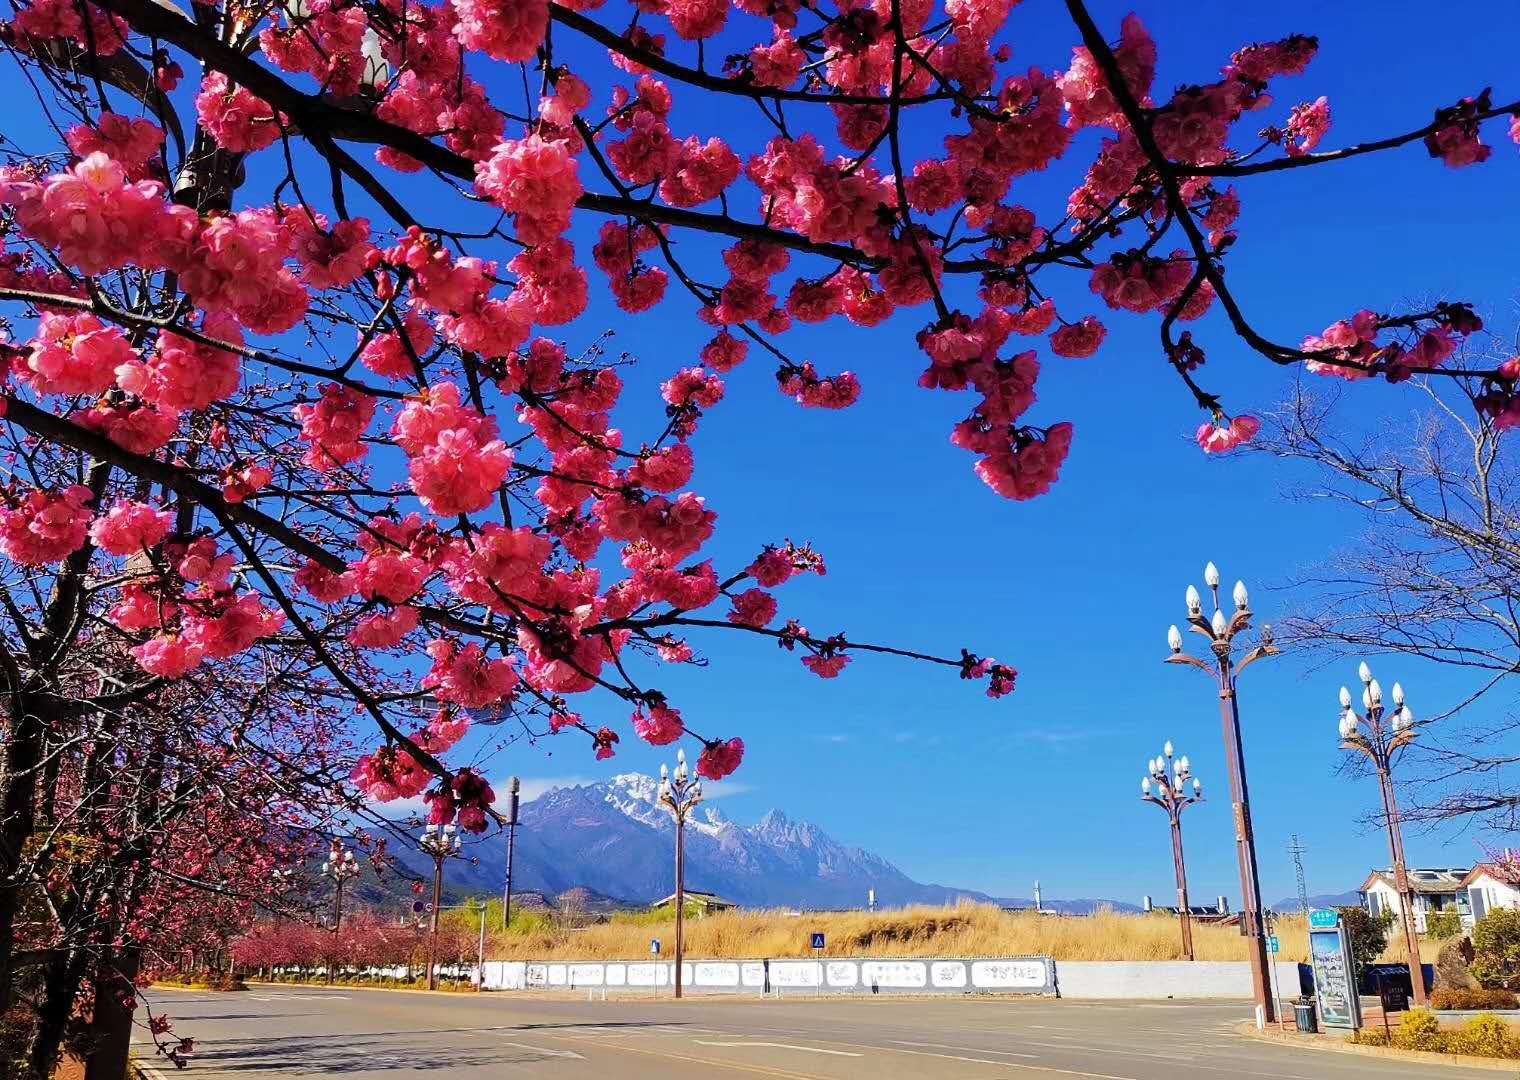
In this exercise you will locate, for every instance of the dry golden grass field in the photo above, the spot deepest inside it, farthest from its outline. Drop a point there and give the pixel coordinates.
(963, 930)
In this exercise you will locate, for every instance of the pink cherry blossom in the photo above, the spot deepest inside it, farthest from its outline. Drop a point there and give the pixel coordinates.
(43, 527)
(660, 726)
(753, 607)
(168, 656)
(75, 354)
(1078, 340)
(1214, 439)
(129, 528)
(720, 759)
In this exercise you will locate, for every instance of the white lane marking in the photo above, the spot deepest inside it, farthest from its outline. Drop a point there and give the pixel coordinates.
(779, 1046)
(968, 1049)
(1014, 1065)
(296, 997)
(542, 1050)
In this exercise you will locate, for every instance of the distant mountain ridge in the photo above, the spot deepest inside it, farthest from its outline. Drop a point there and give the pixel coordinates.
(616, 840)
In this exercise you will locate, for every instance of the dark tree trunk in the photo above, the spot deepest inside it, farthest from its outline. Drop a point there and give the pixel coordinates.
(111, 1030)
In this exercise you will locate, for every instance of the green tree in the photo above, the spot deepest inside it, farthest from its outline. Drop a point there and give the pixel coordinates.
(1496, 947)
(1369, 934)
(1443, 925)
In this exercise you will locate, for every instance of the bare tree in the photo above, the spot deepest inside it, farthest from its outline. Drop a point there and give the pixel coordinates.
(1435, 574)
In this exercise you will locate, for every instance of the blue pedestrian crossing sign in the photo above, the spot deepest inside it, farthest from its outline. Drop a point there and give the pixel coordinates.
(654, 946)
(817, 941)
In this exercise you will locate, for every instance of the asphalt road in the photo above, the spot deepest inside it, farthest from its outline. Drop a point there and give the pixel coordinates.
(288, 1033)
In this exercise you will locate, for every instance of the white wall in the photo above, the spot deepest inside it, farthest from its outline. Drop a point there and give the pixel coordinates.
(1160, 979)
(1139, 980)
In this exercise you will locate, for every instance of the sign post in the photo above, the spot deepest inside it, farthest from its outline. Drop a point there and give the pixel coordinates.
(1335, 986)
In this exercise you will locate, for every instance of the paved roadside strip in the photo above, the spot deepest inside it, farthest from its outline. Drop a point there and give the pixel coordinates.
(1334, 1044)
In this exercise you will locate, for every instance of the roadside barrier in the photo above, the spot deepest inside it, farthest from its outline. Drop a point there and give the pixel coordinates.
(999, 975)
(1095, 980)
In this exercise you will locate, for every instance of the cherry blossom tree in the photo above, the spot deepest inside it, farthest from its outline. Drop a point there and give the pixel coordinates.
(282, 394)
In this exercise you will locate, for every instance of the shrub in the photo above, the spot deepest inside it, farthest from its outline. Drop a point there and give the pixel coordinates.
(1484, 1036)
(1420, 1030)
(1442, 925)
(1496, 947)
(1474, 999)
(1369, 935)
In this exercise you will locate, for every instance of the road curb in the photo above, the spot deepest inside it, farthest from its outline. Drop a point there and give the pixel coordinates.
(1333, 1045)
(367, 989)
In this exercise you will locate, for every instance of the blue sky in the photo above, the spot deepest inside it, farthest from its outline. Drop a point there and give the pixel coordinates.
(1076, 589)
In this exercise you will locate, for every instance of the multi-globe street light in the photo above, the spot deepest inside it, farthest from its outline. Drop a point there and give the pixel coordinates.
(680, 795)
(341, 866)
(1172, 786)
(442, 844)
(1379, 736)
(1222, 633)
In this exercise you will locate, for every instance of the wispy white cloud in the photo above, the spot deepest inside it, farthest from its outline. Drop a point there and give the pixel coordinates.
(836, 738)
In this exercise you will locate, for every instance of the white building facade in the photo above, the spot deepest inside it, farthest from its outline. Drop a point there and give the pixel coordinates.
(1491, 887)
(1434, 891)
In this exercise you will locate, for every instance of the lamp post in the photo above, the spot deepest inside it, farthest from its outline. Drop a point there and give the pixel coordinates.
(1379, 736)
(679, 795)
(341, 866)
(506, 896)
(1222, 632)
(441, 844)
(1167, 785)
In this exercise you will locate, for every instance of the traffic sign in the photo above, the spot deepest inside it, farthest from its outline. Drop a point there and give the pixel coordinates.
(817, 941)
(654, 946)
(1273, 945)
(1324, 920)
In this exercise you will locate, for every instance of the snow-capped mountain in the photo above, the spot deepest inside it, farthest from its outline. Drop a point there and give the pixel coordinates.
(616, 839)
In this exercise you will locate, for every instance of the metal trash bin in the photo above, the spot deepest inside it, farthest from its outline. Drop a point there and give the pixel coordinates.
(1304, 1016)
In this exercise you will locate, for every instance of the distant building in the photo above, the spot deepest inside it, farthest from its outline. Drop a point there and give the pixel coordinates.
(705, 902)
(1490, 886)
(1218, 913)
(1434, 891)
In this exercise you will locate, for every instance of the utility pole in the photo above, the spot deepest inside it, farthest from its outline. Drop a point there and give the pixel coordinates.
(1038, 906)
(506, 898)
(1297, 849)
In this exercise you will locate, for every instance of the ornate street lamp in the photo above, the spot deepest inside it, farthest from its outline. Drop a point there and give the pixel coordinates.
(1379, 736)
(680, 796)
(1172, 786)
(341, 867)
(512, 805)
(441, 844)
(1222, 633)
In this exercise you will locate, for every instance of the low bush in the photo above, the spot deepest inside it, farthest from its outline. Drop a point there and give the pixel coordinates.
(1420, 1030)
(202, 980)
(1484, 1036)
(1474, 999)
